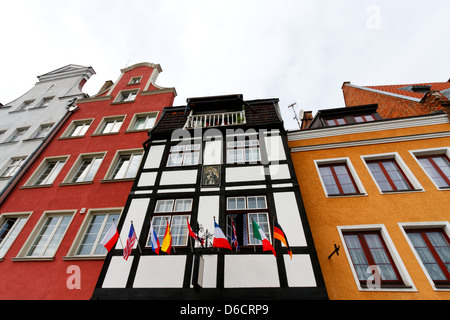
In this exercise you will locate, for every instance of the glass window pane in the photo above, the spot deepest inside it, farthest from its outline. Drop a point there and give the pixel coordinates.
(379, 176)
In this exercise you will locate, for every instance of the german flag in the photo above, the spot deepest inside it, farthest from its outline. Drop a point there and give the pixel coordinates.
(279, 234)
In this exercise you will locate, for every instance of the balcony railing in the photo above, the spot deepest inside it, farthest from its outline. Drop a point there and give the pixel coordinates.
(215, 119)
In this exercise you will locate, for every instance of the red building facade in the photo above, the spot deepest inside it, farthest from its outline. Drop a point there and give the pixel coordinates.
(53, 221)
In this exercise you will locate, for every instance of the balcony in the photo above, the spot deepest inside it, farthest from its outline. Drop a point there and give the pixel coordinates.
(215, 119)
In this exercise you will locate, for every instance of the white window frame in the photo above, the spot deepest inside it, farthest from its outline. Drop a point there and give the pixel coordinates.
(116, 159)
(71, 174)
(236, 151)
(182, 152)
(22, 218)
(44, 102)
(147, 115)
(85, 125)
(441, 225)
(404, 275)
(41, 168)
(345, 160)
(429, 152)
(115, 119)
(72, 254)
(131, 96)
(23, 254)
(12, 166)
(42, 131)
(417, 187)
(17, 134)
(135, 80)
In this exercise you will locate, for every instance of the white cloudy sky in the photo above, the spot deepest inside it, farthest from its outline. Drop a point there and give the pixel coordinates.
(297, 51)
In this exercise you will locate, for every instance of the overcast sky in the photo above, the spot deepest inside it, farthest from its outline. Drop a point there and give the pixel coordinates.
(294, 50)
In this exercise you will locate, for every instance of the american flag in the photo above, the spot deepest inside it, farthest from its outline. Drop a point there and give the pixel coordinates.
(234, 241)
(130, 243)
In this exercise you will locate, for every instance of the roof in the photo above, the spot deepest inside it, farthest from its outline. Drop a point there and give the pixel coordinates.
(407, 89)
(257, 112)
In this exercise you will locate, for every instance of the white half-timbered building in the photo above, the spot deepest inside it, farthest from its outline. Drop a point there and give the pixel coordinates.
(218, 159)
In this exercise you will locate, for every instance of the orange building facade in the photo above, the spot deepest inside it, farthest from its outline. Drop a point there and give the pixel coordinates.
(378, 190)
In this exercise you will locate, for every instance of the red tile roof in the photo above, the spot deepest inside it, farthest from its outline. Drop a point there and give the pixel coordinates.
(435, 86)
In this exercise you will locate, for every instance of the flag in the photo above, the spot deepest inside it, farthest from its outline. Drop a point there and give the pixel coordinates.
(220, 241)
(259, 234)
(234, 241)
(154, 240)
(167, 242)
(110, 238)
(130, 243)
(279, 234)
(192, 233)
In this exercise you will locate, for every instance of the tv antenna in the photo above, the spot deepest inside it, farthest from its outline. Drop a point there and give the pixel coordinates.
(295, 114)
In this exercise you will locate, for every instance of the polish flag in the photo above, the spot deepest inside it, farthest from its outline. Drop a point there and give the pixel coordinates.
(220, 241)
(110, 238)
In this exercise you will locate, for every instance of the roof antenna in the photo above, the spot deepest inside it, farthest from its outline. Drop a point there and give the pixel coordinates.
(295, 114)
(127, 63)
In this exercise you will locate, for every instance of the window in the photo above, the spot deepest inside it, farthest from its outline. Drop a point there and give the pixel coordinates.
(17, 134)
(390, 173)
(126, 165)
(181, 213)
(49, 236)
(12, 167)
(110, 125)
(135, 80)
(10, 227)
(389, 176)
(98, 226)
(126, 96)
(47, 171)
(366, 249)
(77, 128)
(242, 151)
(184, 155)
(25, 105)
(437, 167)
(84, 168)
(364, 118)
(143, 121)
(45, 102)
(335, 122)
(433, 248)
(337, 179)
(240, 212)
(42, 131)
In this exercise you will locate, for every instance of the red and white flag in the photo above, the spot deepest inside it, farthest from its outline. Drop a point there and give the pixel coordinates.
(110, 238)
(220, 241)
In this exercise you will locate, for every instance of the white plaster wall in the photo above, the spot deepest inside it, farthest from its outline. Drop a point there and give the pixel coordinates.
(275, 149)
(160, 272)
(279, 172)
(136, 213)
(299, 270)
(238, 174)
(147, 179)
(208, 208)
(289, 218)
(212, 153)
(118, 271)
(252, 271)
(209, 271)
(179, 177)
(154, 157)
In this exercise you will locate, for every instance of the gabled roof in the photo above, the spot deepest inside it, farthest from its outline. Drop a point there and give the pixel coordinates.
(69, 70)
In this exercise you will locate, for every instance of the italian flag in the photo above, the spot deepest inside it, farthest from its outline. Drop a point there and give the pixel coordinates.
(259, 234)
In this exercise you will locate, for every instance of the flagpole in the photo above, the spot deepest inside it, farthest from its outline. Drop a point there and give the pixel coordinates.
(254, 242)
(139, 247)
(114, 222)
